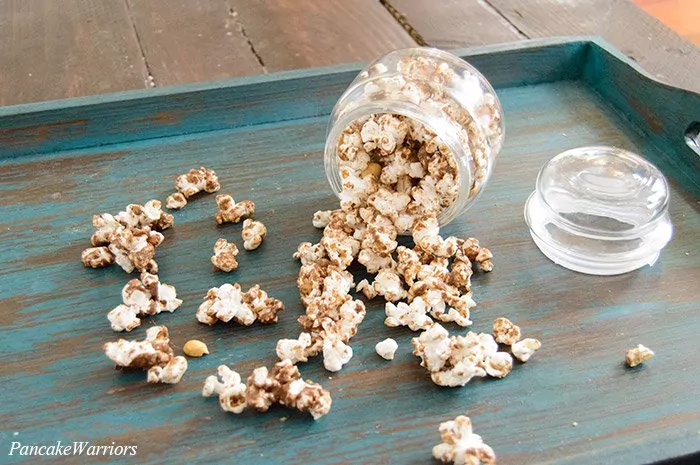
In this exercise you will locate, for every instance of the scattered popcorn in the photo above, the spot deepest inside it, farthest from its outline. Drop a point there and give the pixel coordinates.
(176, 201)
(253, 234)
(195, 348)
(197, 180)
(232, 212)
(397, 177)
(322, 218)
(294, 349)
(331, 313)
(129, 238)
(153, 354)
(141, 297)
(505, 332)
(455, 360)
(283, 385)
(461, 446)
(638, 355)
(228, 302)
(224, 257)
(386, 348)
(523, 350)
(97, 257)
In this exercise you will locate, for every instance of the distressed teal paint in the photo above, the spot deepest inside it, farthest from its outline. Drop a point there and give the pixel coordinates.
(264, 136)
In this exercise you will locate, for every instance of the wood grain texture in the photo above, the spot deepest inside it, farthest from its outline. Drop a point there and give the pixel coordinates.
(191, 40)
(287, 34)
(52, 49)
(57, 385)
(455, 23)
(643, 38)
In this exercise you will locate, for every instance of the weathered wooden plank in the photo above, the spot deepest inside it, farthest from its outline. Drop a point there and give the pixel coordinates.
(57, 385)
(207, 107)
(189, 41)
(287, 34)
(452, 24)
(654, 46)
(52, 49)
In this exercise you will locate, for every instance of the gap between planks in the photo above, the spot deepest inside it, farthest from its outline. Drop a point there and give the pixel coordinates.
(150, 80)
(241, 29)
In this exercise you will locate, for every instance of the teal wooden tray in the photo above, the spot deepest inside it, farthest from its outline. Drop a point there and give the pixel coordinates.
(574, 402)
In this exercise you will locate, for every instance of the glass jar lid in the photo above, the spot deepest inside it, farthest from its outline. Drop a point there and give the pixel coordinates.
(600, 210)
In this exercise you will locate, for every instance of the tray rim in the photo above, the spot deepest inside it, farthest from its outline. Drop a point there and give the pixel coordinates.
(136, 94)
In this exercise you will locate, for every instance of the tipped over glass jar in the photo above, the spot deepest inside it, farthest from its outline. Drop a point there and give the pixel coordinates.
(415, 134)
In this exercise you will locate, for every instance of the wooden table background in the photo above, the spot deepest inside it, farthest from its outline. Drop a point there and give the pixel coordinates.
(52, 49)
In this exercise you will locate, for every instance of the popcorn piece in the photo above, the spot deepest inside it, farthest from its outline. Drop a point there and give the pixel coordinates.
(253, 234)
(282, 385)
(426, 235)
(499, 364)
(461, 446)
(388, 284)
(176, 201)
(128, 238)
(197, 180)
(171, 373)
(445, 303)
(135, 248)
(470, 249)
(402, 314)
(147, 296)
(341, 248)
(638, 355)
(386, 348)
(294, 349)
(97, 257)
(335, 353)
(308, 253)
(455, 360)
(523, 350)
(153, 354)
(228, 387)
(366, 288)
(232, 212)
(224, 257)
(149, 215)
(505, 332)
(228, 302)
(322, 218)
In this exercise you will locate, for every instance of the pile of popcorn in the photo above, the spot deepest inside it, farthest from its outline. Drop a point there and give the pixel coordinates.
(141, 297)
(129, 238)
(192, 183)
(283, 385)
(456, 101)
(460, 445)
(229, 302)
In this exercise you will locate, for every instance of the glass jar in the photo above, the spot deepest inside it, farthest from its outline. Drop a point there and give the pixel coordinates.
(443, 93)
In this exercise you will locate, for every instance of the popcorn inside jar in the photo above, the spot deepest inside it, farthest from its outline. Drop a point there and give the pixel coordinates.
(415, 135)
